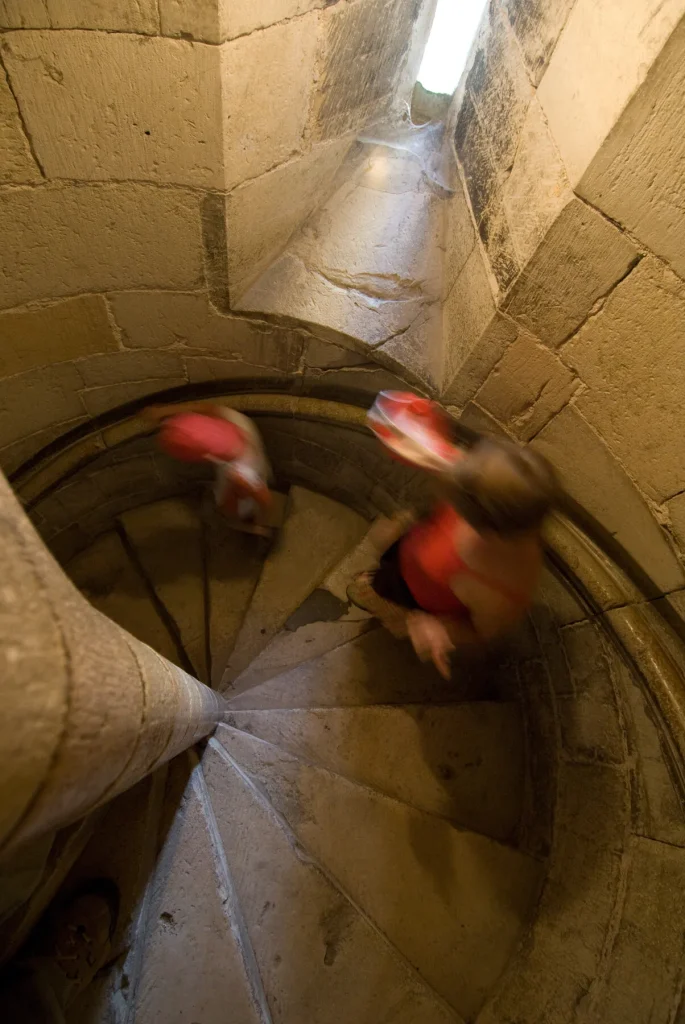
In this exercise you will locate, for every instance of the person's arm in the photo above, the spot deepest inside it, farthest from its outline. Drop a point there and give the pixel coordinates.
(435, 639)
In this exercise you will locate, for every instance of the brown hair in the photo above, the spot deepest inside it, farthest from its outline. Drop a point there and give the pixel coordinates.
(502, 487)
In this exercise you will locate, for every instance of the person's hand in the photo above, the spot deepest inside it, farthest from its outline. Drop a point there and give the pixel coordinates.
(431, 641)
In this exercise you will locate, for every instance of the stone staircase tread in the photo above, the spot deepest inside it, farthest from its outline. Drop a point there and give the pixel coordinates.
(320, 959)
(317, 533)
(193, 964)
(167, 538)
(374, 668)
(463, 762)
(453, 902)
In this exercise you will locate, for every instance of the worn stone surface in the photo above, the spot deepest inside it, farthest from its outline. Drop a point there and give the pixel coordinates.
(467, 313)
(162, 98)
(676, 514)
(38, 400)
(17, 164)
(316, 534)
(60, 240)
(240, 17)
(463, 762)
(489, 348)
(528, 386)
(233, 565)
(109, 396)
(122, 367)
(118, 15)
(259, 134)
(373, 669)
(480, 174)
(201, 20)
(644, 973)
(537, 189)
(262, 215)
(599, 483)
(16, 14)
(560, 600)
(638, 173)
(452, 902)
(12, 456)
(48, 334)
(190, 931)
(319, 958)
(537, 25)
(155, 531)
(106, 576)
(636, 348)
(581, 100)
(361, 56)
(460, 237)
(579, 260)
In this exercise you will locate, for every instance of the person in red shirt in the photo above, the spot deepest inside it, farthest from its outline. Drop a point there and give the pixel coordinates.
(466, 574)
(228, 440)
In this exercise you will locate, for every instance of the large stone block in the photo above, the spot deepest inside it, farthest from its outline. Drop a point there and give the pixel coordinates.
(200, 20)
(241, 17)
(676, 513)
(19, 14)
(459, 237)
(48, 334)
(266, 79)
(527, 387)
(37, 400)
(636, 177)
(262, 215)
(61, 240)
(363, 50)
(480, 361)
(632, 357)
(16, 161)
(583, 94)
(537, 24)
(113, 15)
(467, 312)
(104, 106)
(537, 189)
(578, 261)
(594, 478)
(12, 456)
(122, 367)
(110, 396)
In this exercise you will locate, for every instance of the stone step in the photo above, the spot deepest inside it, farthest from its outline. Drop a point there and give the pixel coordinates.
(320, 960)
(323, 621)
(317, 533)
(233, 565)
(167, 539)
(196, 963)
(107, 577)
(464, 762)
(376, 669)
(452, 902)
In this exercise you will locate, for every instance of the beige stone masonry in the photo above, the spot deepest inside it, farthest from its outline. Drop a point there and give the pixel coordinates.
(62, 240)
(17, 164)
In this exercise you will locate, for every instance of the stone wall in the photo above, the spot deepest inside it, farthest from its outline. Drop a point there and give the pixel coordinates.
(564, 322)
(154, 157)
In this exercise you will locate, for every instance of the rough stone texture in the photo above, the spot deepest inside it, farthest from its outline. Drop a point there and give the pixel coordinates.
(453, 903)
(261, 215)
(499, 333)
(45, 335)
(103, 106)
(319, 958)
(63, 240)
(537, 189)
(240, 17)
(190, 932)
(17, 164)
(109, 396)
(155, 531)
(578, 261)
(14, 455)
(645, 968)
(676, 514)
(117, 15)
(637, 174)
(467, 313)
(107, 577)
(362, 54)
(38, 400)
(460, 237)
(200, 20)
(260, 132)
(316, 534)
(122, 368)
(537, 24)
(528, 386)
(373, 669)
(582, 96)
(16, 14)
(463, 762)
(597, 481)
(234, 564)
(632, 357)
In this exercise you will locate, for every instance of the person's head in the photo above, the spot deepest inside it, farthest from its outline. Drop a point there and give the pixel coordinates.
(193, 437)
(502, 488)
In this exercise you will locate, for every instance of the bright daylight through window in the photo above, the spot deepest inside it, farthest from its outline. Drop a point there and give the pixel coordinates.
(454, 29)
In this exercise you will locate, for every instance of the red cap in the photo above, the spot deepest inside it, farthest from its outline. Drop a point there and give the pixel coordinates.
(192, 437)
